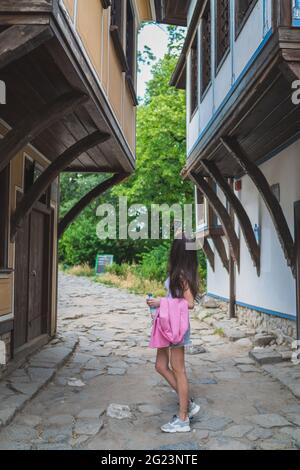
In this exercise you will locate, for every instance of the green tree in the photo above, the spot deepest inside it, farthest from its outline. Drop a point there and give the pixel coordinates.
(161, 154)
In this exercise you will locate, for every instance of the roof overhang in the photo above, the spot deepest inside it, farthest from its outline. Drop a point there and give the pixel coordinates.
(172, 11)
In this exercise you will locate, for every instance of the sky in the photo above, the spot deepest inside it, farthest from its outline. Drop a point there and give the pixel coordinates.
(155, 37)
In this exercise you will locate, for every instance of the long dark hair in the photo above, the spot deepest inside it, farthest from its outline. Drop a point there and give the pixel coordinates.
(183, 268)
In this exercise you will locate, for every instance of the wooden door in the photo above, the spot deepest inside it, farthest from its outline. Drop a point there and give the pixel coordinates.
(21, 285)
(32, 277)
(37, 277)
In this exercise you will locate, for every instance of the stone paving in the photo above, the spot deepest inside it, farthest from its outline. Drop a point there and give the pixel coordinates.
(108, 396)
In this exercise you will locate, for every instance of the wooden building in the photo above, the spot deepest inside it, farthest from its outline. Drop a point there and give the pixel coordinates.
(69, 71)
(239, 64)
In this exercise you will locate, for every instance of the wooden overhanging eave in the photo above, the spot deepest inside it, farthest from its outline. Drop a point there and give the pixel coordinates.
(180, 70)
(82, 74)
(172, 12)
(48, 30)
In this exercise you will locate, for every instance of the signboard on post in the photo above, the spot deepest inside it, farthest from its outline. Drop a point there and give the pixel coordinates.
(102, 261)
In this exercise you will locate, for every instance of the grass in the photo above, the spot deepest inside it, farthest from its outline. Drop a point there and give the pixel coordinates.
(129, 281)
(219, 332)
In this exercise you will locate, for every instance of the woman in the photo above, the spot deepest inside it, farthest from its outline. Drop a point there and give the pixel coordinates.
(183, 282)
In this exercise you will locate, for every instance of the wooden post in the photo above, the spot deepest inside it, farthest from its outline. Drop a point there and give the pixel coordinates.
(284, 13)
(50, 174)
(87, 199)
(232, 293)
(30, 127)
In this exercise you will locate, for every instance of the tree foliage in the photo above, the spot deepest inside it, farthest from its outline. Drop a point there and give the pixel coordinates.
(161, 153)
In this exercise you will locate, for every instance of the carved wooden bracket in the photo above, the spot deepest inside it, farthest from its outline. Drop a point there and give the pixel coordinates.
(222, 213)
(87, 199)
(208, 253)
(50, 174)
(273, 205)
(239, 210)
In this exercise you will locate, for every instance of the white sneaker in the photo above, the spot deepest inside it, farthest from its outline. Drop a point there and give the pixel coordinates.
(193, 409)
(176, 425)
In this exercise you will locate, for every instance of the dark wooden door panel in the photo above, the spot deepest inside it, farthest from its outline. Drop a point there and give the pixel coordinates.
(21, 285)
(37, 272)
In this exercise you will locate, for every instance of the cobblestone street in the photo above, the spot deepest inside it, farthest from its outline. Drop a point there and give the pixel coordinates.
(242, 406)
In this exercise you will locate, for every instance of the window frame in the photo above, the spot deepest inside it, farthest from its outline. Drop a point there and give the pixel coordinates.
(219, 60)
(119, 33)
(240, 26)
(4, 213)
(194, 76)
(205, 87)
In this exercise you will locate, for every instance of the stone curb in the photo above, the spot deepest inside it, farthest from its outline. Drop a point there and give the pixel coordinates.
(23, 384)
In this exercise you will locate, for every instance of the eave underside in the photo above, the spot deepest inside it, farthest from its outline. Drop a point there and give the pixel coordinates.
(260, 115)
(40, 77)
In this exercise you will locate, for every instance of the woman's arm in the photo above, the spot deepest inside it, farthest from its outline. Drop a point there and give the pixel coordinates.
(188, 296)
(153, 303)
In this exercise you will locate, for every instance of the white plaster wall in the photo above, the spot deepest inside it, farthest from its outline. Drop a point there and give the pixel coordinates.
(275, 288)
(218, 280)
(249, 39)
(222, 83)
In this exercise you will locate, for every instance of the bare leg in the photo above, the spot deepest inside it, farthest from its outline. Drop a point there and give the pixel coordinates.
(162, 367)
(178, 366)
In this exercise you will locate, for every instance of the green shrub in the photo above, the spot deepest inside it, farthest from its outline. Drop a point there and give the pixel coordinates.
(120, 270)
(154, 264)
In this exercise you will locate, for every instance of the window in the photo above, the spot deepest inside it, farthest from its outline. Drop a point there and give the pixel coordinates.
(206, 49)
(130, 39)
(4, 217)
(206, 219)
(243, 9)
(123, 33)
(222, 30)
(194, 75)
(200, 209)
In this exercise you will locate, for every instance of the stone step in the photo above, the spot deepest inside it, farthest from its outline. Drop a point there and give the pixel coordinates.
(23, 384)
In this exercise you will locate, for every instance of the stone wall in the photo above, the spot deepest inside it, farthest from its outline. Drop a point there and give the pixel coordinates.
(284, 330)
(5, 351)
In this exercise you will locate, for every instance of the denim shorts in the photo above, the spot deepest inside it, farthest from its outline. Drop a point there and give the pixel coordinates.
(186, 340)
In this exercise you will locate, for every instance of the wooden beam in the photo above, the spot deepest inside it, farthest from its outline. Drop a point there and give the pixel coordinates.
(208, 252)
(106, 3)
(284, 12)
(238, 209)
(50, 174)
(87, 199)
(221, 250)
(273, 205)
(231, 268)
(30, 127)
(19, 40)
(221, 212)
